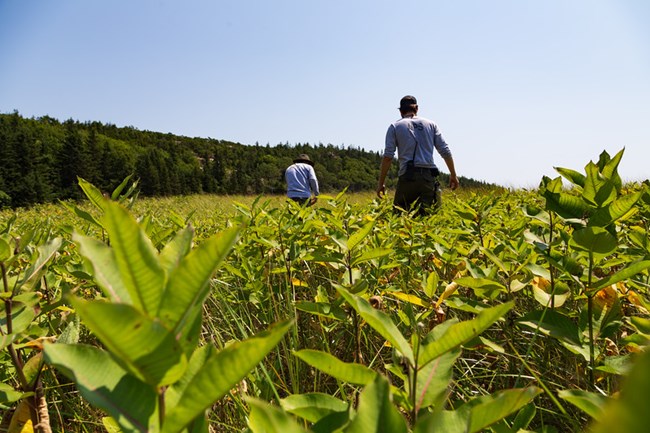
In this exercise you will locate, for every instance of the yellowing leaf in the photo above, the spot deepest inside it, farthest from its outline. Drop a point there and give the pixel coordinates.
(449, 290)
(299, 283)
(21, 421)
(411, 299)
(605, 297)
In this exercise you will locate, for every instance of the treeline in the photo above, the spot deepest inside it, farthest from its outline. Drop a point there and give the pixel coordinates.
(40, 159)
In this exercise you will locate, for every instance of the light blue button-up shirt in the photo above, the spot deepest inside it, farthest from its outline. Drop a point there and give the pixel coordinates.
(414, 138)
(301, 180)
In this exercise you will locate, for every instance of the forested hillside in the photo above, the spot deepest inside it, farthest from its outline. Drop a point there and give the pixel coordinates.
(40, 159)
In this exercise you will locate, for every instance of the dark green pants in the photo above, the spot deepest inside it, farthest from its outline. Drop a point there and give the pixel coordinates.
(421, 193)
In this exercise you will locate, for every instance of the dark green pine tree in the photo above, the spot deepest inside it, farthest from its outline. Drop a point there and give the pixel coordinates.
(73, 161)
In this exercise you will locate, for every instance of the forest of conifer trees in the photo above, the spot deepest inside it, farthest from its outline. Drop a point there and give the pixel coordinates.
(41, 158)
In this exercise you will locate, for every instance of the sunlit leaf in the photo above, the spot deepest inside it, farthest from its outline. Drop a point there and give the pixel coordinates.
(313, 406)
(105, 269)
(462, 332)
(380, 322)
(322, 309)
(594, 240)
(572, 176)
(101, 381)
(143, 345)
(222, 370)
(375, 412)
(357, 374)
(266, 418)
(188, 284)
(624, 274)
(359, 235)
(371, 255)
(486, 410)
(615, 210)
(589, 402)
(136, 258)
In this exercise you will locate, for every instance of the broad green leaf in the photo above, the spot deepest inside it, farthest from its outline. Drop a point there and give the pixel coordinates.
(136, 258)
(173, 252)
(5, 250)
(446, 421)
(598, 191)
(627, 413)
(544, 298)
(93, 193)
(358, 236)
(483, 286)
(6, 339)
(494, 259)
(313, 406)
(641, 324)
(615, 210)
(102, 382)
(105, 269)
(462, 332)
(375, 412)
(325, 257)
(70, 334)
(188, 286)
(486, 410)
(594, 240)
(86, 216)
(572, 176)
(22, 316)
(589, 402)
(322, 309)
(624, 274)
(432, 284)
(609, 166)
(142, 345)
(566, 205)
(433, 380)
(45, 253)
(350, 372)
(222, 370)
(556, 325)
(266, 418)
(380, 322)
(194, 366)
(371, 255)
(8, 394)
(116, 192)
(524, 417)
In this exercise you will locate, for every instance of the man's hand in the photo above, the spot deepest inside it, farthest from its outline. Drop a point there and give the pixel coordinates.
(313, 200)
(381, 190)
(453, 182)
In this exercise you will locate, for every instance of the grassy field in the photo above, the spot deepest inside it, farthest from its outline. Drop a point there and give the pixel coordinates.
(505, 311)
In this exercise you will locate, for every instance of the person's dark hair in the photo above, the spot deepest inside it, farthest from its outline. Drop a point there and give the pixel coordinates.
(408, 103)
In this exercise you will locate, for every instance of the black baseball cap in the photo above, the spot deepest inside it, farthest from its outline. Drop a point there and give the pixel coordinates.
(407, 102)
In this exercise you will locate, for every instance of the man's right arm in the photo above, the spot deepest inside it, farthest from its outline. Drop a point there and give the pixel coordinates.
(453, 179)
(383, 171)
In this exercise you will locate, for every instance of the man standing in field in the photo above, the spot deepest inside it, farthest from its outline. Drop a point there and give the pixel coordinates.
(414, 138)
(302, 184)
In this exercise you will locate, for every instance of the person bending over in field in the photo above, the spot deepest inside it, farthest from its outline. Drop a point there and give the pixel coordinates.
(414, 138)
(302, 184)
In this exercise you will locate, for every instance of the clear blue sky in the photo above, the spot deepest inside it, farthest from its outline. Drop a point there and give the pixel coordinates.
(516, 86)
